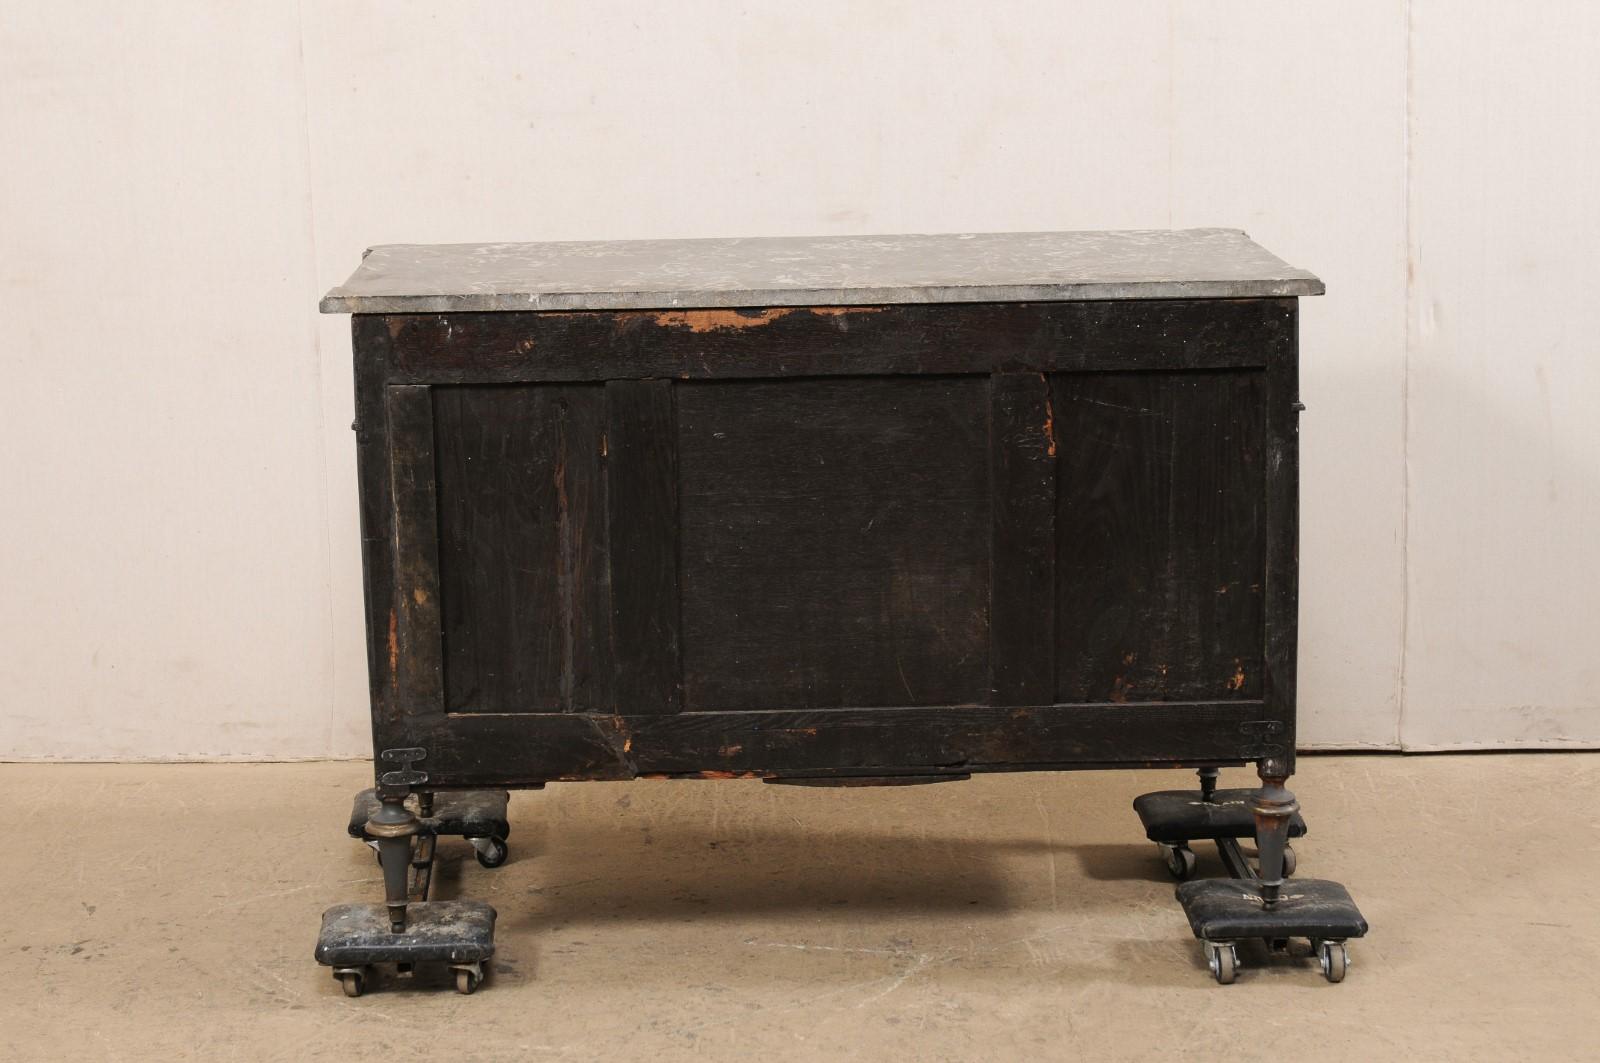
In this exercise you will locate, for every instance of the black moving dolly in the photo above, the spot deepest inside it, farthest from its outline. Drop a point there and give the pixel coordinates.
(1252, 902)
(408, 929)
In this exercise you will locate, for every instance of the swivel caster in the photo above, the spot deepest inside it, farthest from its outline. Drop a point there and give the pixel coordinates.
(1179, 859)
(353, 979)
(492, 852)
(468, 977)
(1223, 959)
(1335, 960)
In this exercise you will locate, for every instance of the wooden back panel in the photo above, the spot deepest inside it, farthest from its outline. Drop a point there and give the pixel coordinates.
(823, 511)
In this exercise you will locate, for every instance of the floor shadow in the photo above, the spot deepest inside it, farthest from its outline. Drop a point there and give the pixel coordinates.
(629, 874)
(1123, 863)
(597, 873)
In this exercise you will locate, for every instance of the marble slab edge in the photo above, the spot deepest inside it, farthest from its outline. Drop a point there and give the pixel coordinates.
(492, 302)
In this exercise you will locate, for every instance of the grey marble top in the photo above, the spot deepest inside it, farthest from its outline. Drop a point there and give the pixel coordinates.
(816, 271)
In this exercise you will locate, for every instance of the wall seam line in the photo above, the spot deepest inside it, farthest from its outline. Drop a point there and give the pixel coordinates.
(1408, 142)
(326, 509)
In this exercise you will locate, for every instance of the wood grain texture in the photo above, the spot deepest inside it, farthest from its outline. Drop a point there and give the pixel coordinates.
(835, 542)
(642, 529)
(370, 339)
(512, 750)
(840, 550)
(1023, 448)
(522, 548)
(1280, 509)
(1161, 542)
(833, 341)
(414, 635)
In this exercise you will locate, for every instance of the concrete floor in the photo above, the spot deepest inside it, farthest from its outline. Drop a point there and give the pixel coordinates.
(170, 912)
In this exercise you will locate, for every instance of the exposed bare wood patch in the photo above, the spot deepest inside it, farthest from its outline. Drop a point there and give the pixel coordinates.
(715, 320)
(1049, 423)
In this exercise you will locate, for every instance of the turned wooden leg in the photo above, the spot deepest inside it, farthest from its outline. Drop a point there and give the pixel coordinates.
(1274, 807)
(393, 825)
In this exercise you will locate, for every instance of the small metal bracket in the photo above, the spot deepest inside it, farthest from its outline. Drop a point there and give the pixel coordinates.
(1266, 738)
(405, 775)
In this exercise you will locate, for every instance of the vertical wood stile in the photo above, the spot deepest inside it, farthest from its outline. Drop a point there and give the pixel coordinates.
(642, 519)
(415, 634)
(1022, 447)
(1283, 528)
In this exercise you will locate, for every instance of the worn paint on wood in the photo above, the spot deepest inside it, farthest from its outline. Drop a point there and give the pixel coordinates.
(756, 542)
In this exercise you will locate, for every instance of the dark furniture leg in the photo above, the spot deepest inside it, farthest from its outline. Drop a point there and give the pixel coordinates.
(1175, 818)
(407, 928)
(393, 826)
(478, 816)
(1274, 807)
(1257, 901)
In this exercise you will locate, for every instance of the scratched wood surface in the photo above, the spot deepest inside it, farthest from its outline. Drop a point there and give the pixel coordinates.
(792, 342)
(522, 548)
(1160, 536)
(1024, 448)
(835, 542)
(819, 541)
(642, 518)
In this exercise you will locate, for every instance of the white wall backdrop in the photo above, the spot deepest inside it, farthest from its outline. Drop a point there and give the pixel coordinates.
(183, 179)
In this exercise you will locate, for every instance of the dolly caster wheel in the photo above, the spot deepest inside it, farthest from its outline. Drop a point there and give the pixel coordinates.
(1335, 960)
(1224, 962)
(1179, 859)
(1290, 861)
(468, 977)
(353, 979)
(492, 852)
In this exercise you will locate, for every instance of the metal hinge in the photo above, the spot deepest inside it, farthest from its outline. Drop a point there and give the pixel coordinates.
(405, 775)
(1267, 735)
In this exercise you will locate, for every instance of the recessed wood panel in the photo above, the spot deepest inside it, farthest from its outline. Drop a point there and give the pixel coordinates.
(1161, 550)
(522, 548)
(834, 544)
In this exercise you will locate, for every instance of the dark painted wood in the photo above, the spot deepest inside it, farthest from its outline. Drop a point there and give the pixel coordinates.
(494, 750)
(830, 341)
(522, 549)
(414, 628)
(370, 338)
(834, 542)
(1022, 605)
(1281, 508)
(642, 508)
(1161, 536)
(894, 503)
